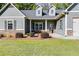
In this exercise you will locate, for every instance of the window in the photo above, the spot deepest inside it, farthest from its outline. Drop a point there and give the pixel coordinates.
(38, 26)
(50, 26)
(10, 25)
(38, 11)
(52, 11)
(61, 24)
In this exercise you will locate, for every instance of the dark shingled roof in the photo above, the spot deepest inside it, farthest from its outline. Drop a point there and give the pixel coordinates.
(72, 6)
(31, 14)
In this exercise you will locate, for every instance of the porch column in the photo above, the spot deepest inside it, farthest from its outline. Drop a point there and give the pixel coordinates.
(45, 25)
(66, 25)
(30, 26)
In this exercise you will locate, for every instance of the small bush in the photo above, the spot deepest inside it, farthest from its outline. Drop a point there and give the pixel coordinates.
(44, 35)
(19, 35)
(37, 31)
(2, 35)
(31, 34)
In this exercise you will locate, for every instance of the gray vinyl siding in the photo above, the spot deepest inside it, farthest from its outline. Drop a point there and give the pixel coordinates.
(19, 22)
(58, 30)
(2, 25)
(70, 19)
(18, 25)
(11, 12)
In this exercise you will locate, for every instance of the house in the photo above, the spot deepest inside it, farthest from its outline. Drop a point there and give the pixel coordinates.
(62, 22)
(24, 21)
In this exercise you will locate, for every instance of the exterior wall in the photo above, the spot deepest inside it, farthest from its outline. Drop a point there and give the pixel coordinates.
(58, 30)
(2, 24)
(11, 12)
(16, 16)
(70, 17)
(19, 25)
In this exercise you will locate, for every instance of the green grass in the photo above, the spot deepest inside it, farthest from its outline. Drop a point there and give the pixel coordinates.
(56, 47)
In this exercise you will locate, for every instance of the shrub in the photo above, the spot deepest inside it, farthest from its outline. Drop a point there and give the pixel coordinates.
(31, 34)
(37, 31)
(44, 35)
(19, 35)
(1, 35)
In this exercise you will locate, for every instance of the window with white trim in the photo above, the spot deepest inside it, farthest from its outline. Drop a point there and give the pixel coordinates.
(52, 11)
(10, 25)
(38, 11)
(38, 26)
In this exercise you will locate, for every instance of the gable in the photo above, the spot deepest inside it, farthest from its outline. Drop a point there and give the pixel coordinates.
(11, 10)
(74, 7)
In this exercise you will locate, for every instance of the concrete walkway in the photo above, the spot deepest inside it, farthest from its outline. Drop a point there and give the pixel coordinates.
(55, 35)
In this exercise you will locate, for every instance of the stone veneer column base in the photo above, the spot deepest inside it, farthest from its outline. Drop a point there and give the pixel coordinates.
(69, 32)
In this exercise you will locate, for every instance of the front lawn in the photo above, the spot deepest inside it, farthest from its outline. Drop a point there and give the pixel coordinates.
(50, 47)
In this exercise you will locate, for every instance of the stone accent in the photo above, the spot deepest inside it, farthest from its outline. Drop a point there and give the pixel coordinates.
(9, 35)
(69, 32)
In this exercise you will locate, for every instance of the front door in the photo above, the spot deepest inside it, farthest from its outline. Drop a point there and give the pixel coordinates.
(38, 26)
(75, 27)
(50, 26)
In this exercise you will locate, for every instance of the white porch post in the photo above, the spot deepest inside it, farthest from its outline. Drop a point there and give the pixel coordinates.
(45, 25)
(30, 26)
(66, 25)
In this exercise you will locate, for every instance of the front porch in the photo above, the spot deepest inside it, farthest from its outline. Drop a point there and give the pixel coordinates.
(42, 25)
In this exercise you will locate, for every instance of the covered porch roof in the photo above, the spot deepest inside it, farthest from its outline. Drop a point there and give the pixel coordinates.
(31, 14)
(47, 17)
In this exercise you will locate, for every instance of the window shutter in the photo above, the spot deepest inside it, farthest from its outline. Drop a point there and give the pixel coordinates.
(14, 24)
(5, 25)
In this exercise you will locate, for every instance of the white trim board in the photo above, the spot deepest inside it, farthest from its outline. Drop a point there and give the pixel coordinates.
(11, 17)
(19, 29)
(66, 24)
(72, 11)
(69, 6)
(2, 29)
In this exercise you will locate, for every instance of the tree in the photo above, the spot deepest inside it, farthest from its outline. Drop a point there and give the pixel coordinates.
(61, 5)
(1, 5)
(25, 6)
(32, 6)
